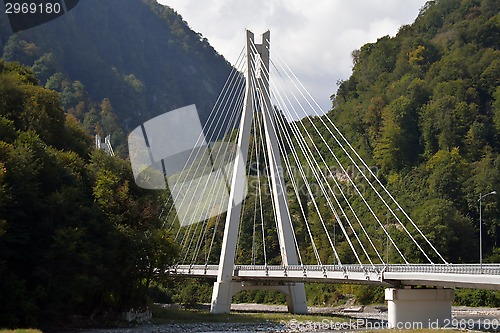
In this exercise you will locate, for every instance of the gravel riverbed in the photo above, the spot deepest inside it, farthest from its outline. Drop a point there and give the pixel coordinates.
(197, 328)
(353, 315)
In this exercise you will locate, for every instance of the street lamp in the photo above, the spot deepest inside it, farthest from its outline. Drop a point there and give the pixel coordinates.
(481, 228)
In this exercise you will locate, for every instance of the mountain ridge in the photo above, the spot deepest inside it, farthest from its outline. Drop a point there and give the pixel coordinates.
(139, 55)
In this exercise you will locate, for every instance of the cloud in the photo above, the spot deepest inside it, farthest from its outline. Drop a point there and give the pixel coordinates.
(315, 38)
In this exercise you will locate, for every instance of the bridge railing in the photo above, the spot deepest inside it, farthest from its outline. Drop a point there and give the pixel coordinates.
(490, 269)
(196, 267)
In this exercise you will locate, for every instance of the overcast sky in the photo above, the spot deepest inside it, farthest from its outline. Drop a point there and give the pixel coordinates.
(314, 37)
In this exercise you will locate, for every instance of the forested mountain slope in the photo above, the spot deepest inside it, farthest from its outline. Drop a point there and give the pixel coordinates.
(424, 109)
(118, 63)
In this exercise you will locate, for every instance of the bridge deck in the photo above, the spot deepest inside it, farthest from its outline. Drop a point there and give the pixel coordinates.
(461, 276)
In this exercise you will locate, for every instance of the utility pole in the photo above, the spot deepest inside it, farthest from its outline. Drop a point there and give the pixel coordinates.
(481, 197)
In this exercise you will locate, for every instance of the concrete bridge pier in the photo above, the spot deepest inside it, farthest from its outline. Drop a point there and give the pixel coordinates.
(224, 291)
(419, 308)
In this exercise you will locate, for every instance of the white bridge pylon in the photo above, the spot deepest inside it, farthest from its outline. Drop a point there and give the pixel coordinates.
(257, 87)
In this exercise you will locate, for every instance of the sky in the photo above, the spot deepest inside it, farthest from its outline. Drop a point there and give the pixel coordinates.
(314, 37)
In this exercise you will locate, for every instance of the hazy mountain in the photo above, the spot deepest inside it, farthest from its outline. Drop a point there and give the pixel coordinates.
(137, 53)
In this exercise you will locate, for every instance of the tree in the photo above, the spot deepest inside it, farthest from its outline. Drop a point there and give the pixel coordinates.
(446, 122)
(398, 146)
(447, 173)
(447, 229)
(496, 109)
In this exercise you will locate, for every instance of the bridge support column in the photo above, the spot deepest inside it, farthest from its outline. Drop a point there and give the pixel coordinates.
(418, 308)
(221, 297)
(224, 291)
(296, 299)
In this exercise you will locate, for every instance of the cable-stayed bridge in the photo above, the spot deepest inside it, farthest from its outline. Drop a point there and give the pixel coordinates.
(273, 195)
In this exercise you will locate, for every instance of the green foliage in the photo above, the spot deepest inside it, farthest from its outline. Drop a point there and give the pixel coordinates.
(447, 229)
(398, 145)
(324, 294)
(471, 297)
(77, 237)
(191, 292)
(366, 295)
(496, 109)
(445, 123)
(447, 172)
(260, 297)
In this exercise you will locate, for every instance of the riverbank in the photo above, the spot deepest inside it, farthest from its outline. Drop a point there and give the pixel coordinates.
(253, 318)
